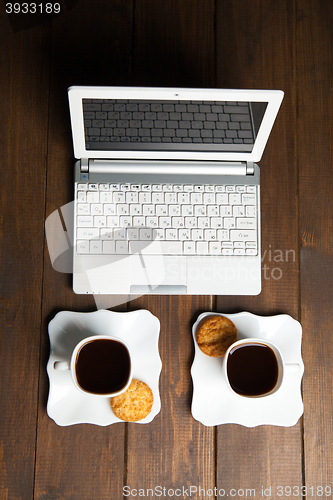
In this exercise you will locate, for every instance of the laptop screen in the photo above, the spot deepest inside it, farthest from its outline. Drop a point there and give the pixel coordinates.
(166, 123)
(129, 124)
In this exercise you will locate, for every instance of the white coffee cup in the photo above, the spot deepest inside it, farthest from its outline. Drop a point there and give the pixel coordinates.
(100, 365)
(255, 368)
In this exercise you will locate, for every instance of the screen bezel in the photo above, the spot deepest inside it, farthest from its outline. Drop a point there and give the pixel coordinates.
(77, 93)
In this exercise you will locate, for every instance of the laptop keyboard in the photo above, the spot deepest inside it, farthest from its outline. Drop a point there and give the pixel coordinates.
(170, 219)
(213, 122)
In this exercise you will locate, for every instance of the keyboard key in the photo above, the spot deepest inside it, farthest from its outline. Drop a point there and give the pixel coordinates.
(234, 198)
(82, 246)
(106, 197)
(251, 251)
(216, 222)
(191, 222)
(213, 210)
(119, 233)
(184, 234)
(95, 246)
(189, 247)
(178, 222)
(174, 210)
(246, 223)
(222, 234)
(200, 210)
(170, 198)
(157, 247)
(197, 234)
(171, 234)
(133, 234)
(125, 221)
(222, 198)
(106, 233)
(123, 209)
(243, 235)
(84, 233)
(109, 247)
(229, 222)
(187, 210)
(112, 221)
(239, 251)
(83, 208)
(100, 221)
(146, 234)
(202, 247)
(248, 199)
(203, 222)
(210, 234)
(110, 209)
(92, 197)
(238, 211)
(214, 247)
(196, 198)
(121, 247)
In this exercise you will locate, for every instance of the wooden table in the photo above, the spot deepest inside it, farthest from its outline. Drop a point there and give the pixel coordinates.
(192, 43)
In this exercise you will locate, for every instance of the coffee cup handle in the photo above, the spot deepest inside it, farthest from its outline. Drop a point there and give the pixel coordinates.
(292, 367)
(61, 365)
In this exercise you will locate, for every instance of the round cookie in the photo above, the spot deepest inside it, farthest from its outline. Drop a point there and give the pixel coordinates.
(215, 334)
(135, 403)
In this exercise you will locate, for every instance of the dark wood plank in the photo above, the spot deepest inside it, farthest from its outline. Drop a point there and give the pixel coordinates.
(174, 43)
(175, 449)
(314, 139)
(174, 46)
(91, 44)
(24, 62)
(166, 43)
(255, 50)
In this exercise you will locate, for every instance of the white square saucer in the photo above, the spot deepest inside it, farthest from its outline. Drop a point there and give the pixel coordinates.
(213, 402)
(138, 329)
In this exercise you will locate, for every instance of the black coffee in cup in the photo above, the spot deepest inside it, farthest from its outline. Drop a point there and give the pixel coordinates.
(252, 369)
(102, 366)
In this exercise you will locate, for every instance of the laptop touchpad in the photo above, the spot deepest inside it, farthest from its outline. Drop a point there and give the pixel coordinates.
(159, 272)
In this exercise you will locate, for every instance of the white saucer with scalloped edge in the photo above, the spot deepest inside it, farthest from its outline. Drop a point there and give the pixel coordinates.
(138, 329)
(213, 403)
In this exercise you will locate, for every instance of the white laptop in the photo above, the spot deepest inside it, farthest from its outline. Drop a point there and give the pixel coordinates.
(167, 190)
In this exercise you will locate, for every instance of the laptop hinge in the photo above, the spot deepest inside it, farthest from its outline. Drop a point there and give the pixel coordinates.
(168, 167)
(249, 168)
(84, 167)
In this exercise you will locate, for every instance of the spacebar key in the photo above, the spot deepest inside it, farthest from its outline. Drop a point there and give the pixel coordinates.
(243, 235)
(156, 247)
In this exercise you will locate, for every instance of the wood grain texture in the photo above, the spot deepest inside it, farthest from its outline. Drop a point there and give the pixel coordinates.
(24, 62)
(314, 138)
(174, 46)
(200, 43)
(174, 43)
(83, 461)
(255, 50)
(174, 450)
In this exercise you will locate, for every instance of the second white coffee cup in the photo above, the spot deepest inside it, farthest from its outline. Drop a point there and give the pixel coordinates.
(255, 368)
